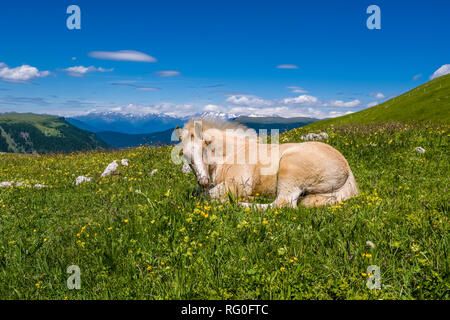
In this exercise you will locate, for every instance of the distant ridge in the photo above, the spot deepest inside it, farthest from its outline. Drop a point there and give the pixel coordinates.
(123, 140)
(34, 133)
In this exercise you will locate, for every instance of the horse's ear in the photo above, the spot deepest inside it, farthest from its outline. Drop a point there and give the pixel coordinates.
(178, 132)
(198, 129)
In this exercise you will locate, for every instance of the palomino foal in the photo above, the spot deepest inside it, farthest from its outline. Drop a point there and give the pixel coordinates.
(228, 158)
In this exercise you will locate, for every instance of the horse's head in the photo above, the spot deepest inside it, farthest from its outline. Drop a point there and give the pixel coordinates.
(194, 143)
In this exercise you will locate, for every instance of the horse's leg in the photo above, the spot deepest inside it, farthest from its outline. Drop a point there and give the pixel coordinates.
(218, 192)
(260, 206)
(287, 198)
(317, 200)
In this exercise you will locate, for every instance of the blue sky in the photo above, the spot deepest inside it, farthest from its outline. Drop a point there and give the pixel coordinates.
(221, 56)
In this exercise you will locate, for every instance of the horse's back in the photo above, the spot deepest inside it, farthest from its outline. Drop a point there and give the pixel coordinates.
(317, 167)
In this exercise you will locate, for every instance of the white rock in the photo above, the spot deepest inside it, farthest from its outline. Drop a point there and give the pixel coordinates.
(6, 184)
(419, 150)
(315, 136)
(153, 171)
(186, 168)
(110, 169)
(82, 179)
(124, 162)
(21, 184)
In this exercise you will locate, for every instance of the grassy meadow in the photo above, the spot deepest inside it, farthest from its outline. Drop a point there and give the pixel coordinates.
(140, 236)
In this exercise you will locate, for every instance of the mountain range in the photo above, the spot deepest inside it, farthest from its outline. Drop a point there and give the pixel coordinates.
(119, 130)
(125, 122)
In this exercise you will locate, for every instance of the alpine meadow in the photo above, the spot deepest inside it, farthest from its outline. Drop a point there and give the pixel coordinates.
(147, 232)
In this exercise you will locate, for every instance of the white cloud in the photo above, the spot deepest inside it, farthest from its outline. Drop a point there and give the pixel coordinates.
(296, 89)
(334, 114)
(211, 107)
(22, 73)
(377, 95)
(287, 66)
(248, 100)
(122, 55)
(302, 99)
(443, 70)
(80, 71)
(171, 109)
(168, 73)
(286, 111)
(417, 76)
(342, 104)
(372, 104)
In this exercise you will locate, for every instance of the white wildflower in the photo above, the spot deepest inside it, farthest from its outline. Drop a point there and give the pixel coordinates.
(370, 244)
(186, 168)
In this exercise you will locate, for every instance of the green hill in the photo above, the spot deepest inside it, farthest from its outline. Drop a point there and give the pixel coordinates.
(32, 133)
(428, 102)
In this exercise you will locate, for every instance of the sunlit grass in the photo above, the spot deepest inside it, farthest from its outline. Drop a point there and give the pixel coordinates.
(141, 236)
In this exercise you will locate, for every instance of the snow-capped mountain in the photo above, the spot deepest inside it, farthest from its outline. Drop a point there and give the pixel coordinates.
(129, 123)
(125, 122)
(136, 123)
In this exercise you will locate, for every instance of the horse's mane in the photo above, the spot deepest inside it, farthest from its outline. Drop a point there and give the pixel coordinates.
(215, 124)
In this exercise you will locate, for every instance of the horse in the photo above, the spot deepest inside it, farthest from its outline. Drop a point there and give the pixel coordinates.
(228, 158)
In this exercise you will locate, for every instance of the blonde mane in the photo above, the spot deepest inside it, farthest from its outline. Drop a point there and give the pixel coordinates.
(214, 124)
(219, 124)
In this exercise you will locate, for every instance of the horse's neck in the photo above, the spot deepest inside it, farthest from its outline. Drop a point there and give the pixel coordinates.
(218, 170)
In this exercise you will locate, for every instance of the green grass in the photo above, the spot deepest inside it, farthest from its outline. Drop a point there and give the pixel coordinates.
(428, 102)
(167, 243)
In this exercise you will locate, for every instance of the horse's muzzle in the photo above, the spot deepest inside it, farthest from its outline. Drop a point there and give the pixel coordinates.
(204, 182)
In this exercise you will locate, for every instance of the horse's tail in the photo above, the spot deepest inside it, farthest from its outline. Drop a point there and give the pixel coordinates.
(349, 189)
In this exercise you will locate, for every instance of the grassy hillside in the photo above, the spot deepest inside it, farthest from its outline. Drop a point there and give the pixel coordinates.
(428, 102)
(135, 235)
(32, 133)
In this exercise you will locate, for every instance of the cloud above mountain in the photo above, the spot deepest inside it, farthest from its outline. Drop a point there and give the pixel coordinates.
(377, 95)
(342, 104)
(443, 70)
(23, 73)
(248, 100)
